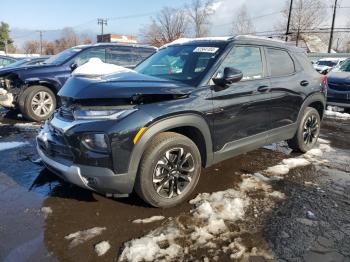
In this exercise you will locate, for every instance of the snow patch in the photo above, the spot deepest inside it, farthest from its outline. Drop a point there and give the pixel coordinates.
(333, 112)
(206, 225)
(11, 145)
(83, 236)
(102, 248)
(95, 67)
(148, 220)
(46, 211)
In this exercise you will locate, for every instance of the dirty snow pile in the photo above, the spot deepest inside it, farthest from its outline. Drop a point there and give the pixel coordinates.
(312, 156)
(11, 145)
(209, 226)
(148, 220)
(333, 112)
(102, 248)
(83, 236)
(95, 67)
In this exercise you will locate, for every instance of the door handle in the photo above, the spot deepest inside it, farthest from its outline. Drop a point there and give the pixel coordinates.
(304, 83)
(263, 89)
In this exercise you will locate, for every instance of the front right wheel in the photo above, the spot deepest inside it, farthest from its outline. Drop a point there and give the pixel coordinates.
(169, 170)
(308, 131)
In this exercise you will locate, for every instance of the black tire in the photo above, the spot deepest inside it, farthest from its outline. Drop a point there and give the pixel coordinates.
(31, 95)
(308, 131)
(151, 170)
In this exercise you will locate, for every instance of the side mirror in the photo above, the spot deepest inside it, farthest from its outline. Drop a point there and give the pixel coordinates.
(73, 66)
(229, 76)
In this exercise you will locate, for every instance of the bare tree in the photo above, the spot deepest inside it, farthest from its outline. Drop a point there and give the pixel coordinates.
(199, 12)
(169, 25)
(32, 47)
(242, 22)
(306, 15)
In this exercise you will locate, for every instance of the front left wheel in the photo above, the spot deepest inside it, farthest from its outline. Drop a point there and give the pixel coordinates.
(169, 170)
(37, 103)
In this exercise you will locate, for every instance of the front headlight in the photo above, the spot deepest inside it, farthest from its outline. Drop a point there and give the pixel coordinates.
(95, 142)
(102, 114)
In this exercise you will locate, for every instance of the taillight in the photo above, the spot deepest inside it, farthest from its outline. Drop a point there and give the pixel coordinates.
(324, 80)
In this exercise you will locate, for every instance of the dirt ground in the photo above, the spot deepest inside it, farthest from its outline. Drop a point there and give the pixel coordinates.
(311, 224)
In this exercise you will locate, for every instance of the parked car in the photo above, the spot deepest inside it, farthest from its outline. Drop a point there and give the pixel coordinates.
(6, 60)
(153, 129)
(33, 89)
(28, 61)
(324, 65)
(339, 86)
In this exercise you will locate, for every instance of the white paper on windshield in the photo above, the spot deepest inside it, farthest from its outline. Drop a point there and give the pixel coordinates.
(203, 49)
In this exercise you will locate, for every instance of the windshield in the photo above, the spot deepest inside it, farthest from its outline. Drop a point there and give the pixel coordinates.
(327, 63)
(343, 67)
(187, 64)
(63, 56)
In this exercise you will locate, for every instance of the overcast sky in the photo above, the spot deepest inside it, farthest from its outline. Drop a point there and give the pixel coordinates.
(127, 17)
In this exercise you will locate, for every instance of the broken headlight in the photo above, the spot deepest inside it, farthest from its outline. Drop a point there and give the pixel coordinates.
(101, 114)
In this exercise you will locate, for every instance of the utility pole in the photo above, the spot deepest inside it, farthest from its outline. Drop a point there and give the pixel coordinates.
(332, 29)
(289, 16)
(102, 22)
(41, 40)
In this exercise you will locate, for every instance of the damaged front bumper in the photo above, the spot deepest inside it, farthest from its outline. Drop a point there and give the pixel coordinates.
(6, 98)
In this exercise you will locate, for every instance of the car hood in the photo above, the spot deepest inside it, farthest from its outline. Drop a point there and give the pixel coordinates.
(124, 85)
(23, 69)
(339, 77)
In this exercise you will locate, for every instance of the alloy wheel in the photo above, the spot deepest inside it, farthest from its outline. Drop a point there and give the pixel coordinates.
(173, 172)
(42, 104)
(310, 131)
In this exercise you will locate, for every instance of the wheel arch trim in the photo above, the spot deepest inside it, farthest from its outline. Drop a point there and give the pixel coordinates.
(163, 125)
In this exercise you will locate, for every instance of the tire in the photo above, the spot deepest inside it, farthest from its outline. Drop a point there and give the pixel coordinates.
(160, 170)
(30, 100)
(308, 131)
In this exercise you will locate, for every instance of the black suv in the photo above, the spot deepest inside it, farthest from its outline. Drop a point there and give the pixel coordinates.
(192, 104)
(33, 89)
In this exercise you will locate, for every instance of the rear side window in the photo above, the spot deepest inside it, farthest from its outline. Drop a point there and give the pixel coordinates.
(247, 59)
(84, 56)
(304, 61)
(281, 63)
(123, 56)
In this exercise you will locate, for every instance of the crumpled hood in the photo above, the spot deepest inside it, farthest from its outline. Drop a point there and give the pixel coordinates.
(124, 85)
(22, 69)
(339, 77)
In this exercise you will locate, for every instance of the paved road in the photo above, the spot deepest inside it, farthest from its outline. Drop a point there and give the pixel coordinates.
(311, 224)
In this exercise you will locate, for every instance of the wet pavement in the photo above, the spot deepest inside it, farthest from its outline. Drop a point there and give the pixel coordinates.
(311, 224)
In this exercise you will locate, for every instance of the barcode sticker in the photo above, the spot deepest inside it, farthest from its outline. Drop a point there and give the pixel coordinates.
(203, 49)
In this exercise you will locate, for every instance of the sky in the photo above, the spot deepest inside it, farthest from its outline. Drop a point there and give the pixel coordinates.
(128, 17)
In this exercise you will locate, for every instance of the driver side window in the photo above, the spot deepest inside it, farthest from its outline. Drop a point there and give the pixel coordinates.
(247, 59)
(84, 56)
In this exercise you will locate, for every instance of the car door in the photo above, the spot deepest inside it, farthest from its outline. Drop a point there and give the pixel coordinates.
(241, 114)
(286, 87)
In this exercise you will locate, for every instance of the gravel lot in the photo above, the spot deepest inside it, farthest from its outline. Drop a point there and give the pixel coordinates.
(262, 212)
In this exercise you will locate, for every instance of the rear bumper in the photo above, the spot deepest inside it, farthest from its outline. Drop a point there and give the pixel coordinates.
(99, 179)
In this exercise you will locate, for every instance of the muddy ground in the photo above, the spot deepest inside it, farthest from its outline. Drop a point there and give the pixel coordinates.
(311, 224)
